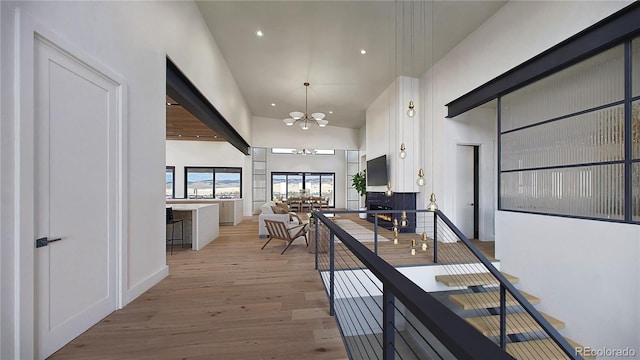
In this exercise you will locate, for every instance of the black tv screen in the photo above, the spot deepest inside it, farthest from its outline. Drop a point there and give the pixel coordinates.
(377, 171)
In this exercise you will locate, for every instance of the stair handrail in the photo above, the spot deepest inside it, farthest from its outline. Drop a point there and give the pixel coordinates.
(457, 335)
(508, 286)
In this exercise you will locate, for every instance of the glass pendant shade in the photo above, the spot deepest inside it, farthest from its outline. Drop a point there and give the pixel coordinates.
(411, 112)
(317, 116)
(403, 219)
(296, 115)
(420, 181)
(322, 123)
(403, 152)
(413, 247)
(424, 241)
(389, 193)
(304, 126)
(432, 203)
(289, 121)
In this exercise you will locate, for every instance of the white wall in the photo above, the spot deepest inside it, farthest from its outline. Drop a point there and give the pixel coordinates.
(585, 272)
(388, 127)
(182, 153)
(476, 127)
(132, 39)
(273, 133)
(312, 163)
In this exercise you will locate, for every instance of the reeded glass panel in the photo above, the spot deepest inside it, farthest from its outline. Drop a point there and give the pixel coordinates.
(259, 181)
(259, 154)
(259, 168)
(635, 129)
(635, 67)
(635, 203)
(590, 191)
(591, 83)
(588, 138)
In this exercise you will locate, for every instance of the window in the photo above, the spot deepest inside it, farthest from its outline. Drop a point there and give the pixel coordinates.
(171, 185)
(285, 185)
(213, 182)
(569, 142)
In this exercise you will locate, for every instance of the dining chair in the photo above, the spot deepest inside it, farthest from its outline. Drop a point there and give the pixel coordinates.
(171, 221)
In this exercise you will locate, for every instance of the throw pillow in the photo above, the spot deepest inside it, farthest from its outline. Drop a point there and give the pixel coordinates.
(284, 206)
(279, 210)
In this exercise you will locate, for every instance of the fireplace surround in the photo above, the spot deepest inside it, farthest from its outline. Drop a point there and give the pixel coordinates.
(399, 201)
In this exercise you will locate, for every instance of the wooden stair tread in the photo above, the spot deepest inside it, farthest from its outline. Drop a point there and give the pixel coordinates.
(472, 279)
(516, 324)
(540, 349)
(485, 300)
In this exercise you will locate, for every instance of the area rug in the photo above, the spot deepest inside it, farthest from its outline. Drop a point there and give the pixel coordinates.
(359, 232)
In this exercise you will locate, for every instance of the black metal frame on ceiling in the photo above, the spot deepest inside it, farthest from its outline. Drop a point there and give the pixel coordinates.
(599, 37)
(182, 90)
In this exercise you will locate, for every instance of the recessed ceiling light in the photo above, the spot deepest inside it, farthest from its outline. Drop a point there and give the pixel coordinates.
(215, 136)
(330, 112)
(259, 33)
(197, 135)
(179, 135)
(363, 51)
(168, 104)
(273, 104)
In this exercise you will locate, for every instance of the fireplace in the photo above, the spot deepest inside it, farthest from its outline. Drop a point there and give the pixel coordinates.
(399, 201)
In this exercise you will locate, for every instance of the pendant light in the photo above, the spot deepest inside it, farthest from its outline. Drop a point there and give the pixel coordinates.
(403, 152)
(420, 181)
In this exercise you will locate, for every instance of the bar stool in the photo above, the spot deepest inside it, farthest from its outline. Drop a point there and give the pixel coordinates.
(171, 221)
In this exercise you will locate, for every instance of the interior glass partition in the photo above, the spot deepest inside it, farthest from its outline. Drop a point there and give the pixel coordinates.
(563, 140)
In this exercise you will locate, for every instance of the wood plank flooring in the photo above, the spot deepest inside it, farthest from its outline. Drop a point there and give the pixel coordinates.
(228, 301)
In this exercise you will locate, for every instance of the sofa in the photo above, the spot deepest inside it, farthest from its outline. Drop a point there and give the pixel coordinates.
(266, 212)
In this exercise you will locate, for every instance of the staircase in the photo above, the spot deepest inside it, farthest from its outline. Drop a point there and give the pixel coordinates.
(524, 333)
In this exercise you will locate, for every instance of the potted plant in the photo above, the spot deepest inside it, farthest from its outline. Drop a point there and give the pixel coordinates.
(360, 184)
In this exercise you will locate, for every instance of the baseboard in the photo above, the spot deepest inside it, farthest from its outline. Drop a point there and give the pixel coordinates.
(146, 284)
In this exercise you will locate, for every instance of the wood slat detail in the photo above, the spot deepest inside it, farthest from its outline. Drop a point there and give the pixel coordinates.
(519, 323)
(473, 279)
(541, 349)
(487, 300)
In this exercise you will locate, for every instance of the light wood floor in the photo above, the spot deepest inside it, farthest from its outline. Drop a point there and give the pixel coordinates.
(228, 301)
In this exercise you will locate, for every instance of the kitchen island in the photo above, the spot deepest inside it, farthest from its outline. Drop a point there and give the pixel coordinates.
(201, 222)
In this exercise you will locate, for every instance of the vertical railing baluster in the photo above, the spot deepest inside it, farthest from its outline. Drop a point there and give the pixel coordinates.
(316, 240)
(375, 233)
(435, 237)
(331, 273)
(388, 325)
(503, 317)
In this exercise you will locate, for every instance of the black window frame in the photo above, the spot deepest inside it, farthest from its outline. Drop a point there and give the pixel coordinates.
(620, 28)
(304, 182)
(173, 181)
(213, 169)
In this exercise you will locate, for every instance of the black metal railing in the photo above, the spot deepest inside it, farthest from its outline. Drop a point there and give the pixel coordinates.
(383, 314)
(514, 310)
(380, 312)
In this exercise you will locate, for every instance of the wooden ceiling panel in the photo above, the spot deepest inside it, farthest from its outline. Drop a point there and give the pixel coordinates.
(182, 125)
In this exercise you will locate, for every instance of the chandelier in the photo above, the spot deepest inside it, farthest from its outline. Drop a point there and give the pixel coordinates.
(303, 117)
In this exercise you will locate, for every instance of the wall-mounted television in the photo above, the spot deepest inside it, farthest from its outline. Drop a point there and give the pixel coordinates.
(377, 171)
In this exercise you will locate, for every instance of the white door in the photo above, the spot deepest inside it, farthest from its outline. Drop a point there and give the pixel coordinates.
(75, 196)
(465, 190)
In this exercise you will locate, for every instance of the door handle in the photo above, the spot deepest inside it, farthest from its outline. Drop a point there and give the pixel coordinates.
(471, 204)
(44, 241)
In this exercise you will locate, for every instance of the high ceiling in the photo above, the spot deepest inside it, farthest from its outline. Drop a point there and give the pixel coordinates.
(320, 42)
